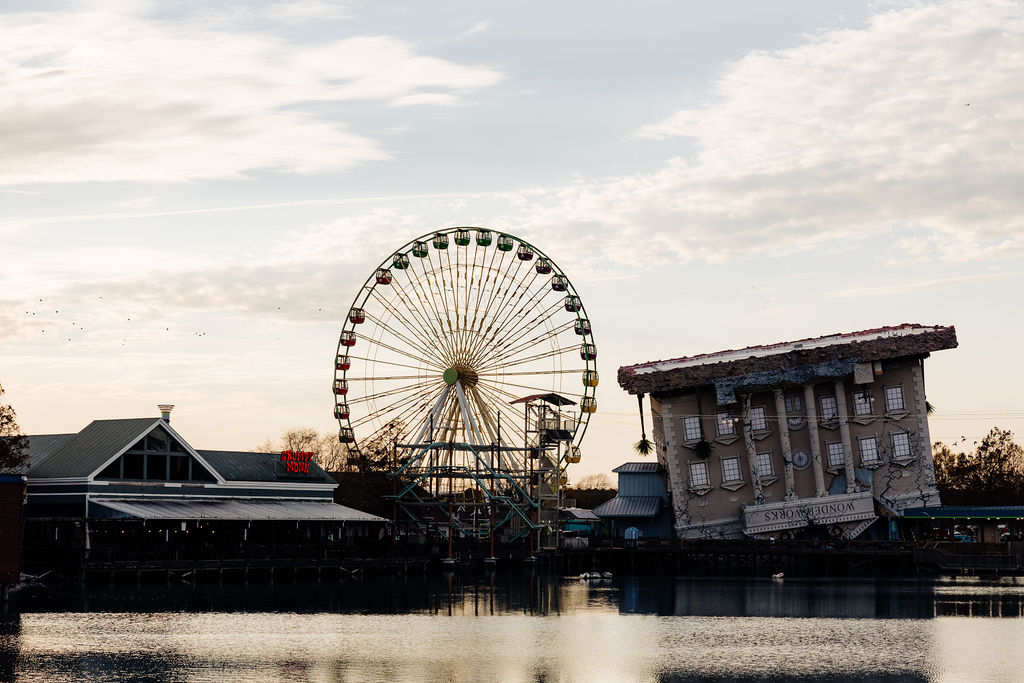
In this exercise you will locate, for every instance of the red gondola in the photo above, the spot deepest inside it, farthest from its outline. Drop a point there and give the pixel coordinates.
(342, 363)
(357, 316)
(348, 338)
(588, 352)
(582, 326)
(346, 435)
(525, 253)
(341, 411)
(383, 276)
(340, 387)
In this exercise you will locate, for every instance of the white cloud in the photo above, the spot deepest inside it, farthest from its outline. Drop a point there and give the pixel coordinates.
(136, 203)
(100, 96)
(478, 27)
(855, 133)
(300, 11)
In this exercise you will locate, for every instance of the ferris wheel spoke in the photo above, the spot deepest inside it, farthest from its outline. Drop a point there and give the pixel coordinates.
(382, 379)
(430, 331)
(488, 275)
(537, 372)
(504, 277)
(512, 311)
(414, 329)
(514, 427)
(391, 392)
(425, 286)
(439, 279)
(523, 324)
(539, 390)
(386, 362)
(381, 344)
(502, 308)
(405, 403)
(529, 359)
(518, 345)
(427, 351)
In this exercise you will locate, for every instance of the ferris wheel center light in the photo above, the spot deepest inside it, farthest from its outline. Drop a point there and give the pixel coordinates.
(451, 376)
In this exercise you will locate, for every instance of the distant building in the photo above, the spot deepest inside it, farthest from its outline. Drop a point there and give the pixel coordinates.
(134, 487)
(817, 436)
(641, 508)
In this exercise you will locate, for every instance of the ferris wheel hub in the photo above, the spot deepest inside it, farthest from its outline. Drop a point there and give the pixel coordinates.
(461, 372)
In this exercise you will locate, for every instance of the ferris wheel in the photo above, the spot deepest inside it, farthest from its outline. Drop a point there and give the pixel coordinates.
(450, 338)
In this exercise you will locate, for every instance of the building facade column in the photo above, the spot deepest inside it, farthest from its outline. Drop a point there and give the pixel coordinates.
(812, 433)
(844, 435)
(787, 449)
(748, 439)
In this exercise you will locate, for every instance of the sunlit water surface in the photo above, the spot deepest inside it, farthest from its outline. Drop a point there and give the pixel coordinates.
(525, 628)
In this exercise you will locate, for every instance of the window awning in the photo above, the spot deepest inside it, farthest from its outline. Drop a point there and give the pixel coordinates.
(229, 510)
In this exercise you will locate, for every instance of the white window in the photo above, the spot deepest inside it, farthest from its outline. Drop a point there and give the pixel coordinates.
(699, 475)
(764, 465)
(862, 402)
(794, 403)
(894, 399)
(836, 457)
(724, 424)
(868, 450)
(757, 420)
(901, 445)
(691, 428)
(829, 408)
(731, 470)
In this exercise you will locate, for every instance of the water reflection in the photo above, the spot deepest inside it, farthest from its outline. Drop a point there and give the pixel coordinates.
(523, 627)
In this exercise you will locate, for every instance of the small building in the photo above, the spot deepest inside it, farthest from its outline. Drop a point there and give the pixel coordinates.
(641, 508)
(135, 488)
(812, 437)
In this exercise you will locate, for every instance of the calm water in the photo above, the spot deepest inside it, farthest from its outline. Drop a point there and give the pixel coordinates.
(522, 627)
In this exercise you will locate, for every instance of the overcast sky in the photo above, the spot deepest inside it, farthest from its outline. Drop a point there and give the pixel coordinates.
(190, 198)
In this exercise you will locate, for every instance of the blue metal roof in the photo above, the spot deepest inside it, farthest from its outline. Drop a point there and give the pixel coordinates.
(966, 512)
(88, 450)
(629, 506)
(638, 468)
(247, 466)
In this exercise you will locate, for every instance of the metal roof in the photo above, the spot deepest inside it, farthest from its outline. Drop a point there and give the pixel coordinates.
(89, 449)
(909, 339)
(44, 445)
(552, 398)
(235, 510)
(638, 468)
(629, 506)
(248, 466)
(580, 513)
(966, 512)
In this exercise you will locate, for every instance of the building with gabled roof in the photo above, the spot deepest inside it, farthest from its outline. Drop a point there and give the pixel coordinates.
(641, 504)
(139, 479)
(818, 435)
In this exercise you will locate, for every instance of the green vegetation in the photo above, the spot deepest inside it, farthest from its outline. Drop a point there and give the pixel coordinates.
(991, 474)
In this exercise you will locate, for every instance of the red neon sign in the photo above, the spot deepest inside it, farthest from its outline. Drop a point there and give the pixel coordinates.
(297, 461)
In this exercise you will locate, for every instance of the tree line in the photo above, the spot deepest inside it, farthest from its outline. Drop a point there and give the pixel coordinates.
(992, 473)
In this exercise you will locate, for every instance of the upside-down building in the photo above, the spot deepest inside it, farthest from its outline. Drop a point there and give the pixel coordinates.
(816, 436)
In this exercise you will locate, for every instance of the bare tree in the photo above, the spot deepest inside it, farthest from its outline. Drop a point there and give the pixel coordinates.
(599, 480)
(332, 455)
(13, 444)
